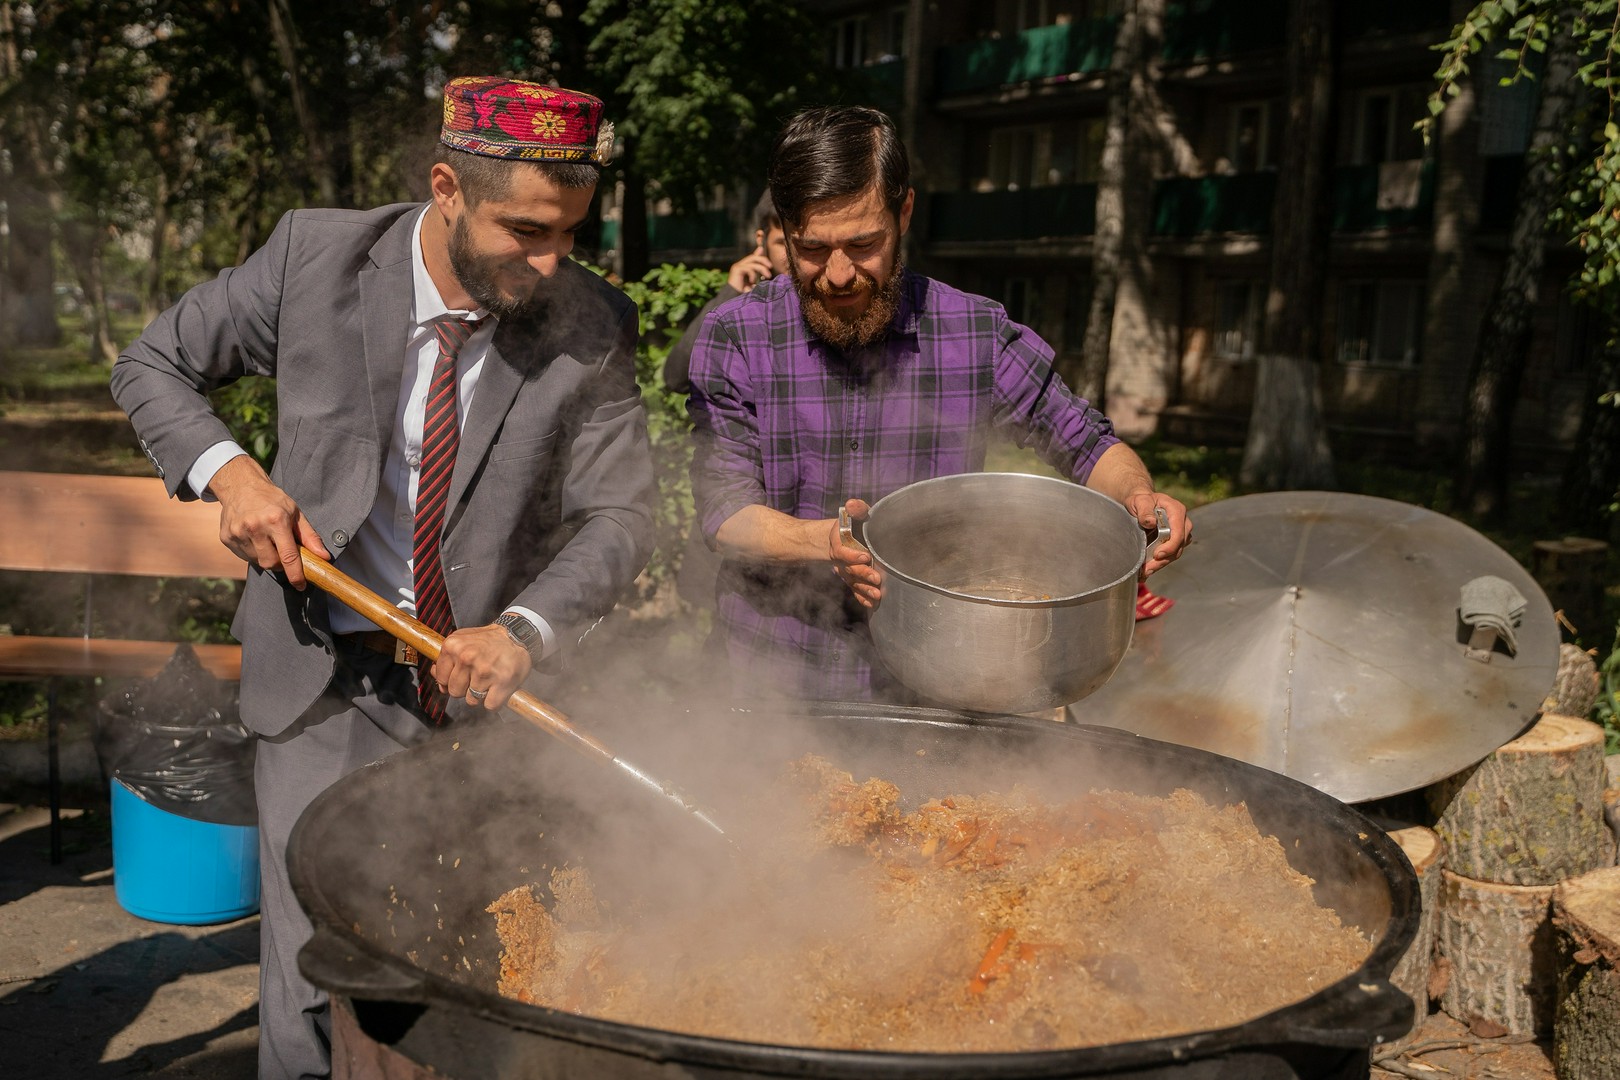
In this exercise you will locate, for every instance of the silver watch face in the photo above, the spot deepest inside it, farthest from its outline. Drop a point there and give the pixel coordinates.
(522, 630)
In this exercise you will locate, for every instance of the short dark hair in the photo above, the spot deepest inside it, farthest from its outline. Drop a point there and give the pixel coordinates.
(835, 152)
(482, 177)
(765, 216)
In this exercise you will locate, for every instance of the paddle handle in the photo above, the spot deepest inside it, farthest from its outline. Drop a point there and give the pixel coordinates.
(335, 583)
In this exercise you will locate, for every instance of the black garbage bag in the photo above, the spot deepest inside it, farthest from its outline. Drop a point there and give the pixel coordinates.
(178, 742)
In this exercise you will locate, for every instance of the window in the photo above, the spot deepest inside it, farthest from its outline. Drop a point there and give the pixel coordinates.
(1239, 308)
(1380, 322)
(849, 42)
(897, 32)
(1385, 129)
(1578, 338)
(1019, 157)
(1021, 296)
(1088, 166)
(1254, 136)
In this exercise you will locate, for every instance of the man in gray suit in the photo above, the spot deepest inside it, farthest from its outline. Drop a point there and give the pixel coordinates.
(459, 429)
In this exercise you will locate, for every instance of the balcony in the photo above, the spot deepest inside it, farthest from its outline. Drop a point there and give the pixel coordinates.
(1355, 201)
(1064, 210)
(1187, 206)
(1199, 30)
(1366, 18)
(704, 230)
(1183, 207)
(1047, 52)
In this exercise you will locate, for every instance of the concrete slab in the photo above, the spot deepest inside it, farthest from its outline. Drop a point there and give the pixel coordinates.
(88, 990)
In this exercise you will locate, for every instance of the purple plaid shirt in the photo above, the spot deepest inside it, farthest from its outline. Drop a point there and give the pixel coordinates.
(785, 420)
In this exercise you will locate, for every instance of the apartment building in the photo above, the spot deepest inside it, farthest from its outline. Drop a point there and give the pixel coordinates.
(1003, 104)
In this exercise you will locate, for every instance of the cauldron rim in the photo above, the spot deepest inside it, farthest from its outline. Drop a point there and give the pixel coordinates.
(1367, 1007)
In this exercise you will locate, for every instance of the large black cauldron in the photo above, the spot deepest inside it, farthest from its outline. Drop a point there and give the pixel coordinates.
(396, 863)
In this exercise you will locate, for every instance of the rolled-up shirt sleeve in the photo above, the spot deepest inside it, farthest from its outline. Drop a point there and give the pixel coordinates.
(727, 468)
(1037, 410)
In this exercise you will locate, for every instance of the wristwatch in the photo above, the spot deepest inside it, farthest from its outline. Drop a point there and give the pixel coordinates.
(524, 632)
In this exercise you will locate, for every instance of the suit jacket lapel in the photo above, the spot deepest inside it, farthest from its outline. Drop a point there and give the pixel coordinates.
(386, 291)
(498, 385)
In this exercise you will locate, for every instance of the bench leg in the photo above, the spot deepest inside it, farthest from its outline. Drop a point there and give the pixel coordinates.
(52, 753)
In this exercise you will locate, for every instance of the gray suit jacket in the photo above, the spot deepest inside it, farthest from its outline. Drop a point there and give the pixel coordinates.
(551, 500)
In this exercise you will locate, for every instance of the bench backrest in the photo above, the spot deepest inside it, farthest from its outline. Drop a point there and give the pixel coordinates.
(108, 525)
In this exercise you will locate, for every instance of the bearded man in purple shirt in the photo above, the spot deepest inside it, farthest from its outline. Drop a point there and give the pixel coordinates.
(844, 380)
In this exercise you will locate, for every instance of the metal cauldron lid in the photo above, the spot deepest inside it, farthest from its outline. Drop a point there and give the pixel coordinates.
(1316, 634)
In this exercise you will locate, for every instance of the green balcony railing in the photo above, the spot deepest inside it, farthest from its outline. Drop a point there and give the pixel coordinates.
(1355, 201)
(1043, 53)
(1187, 206)
(885, 84)
(1061, 210)
(1206, 205)
(1183, 207)
(706, 229)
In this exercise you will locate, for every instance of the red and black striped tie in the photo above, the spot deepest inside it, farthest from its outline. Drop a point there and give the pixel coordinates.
(441, 436)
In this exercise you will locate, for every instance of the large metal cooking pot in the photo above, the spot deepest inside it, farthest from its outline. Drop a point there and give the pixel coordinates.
(1003, 592)
(396, 863)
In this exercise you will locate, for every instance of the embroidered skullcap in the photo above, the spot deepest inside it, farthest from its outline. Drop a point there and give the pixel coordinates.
(524, 121)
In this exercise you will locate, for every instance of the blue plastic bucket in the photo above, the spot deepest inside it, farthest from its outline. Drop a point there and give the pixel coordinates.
(171, 869)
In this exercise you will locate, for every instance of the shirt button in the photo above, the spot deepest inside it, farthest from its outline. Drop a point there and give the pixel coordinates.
(854, 444)
(413, 460)
(340, 538)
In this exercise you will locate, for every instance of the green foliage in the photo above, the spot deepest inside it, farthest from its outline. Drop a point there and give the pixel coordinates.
(248, 407)
(698, 88)
(668, 297)
(1607, 709)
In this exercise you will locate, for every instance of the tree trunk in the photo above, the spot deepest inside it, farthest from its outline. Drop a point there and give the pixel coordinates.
(634, 253)
(1592, 477)
(1504, 339)
(27, 278)
(1532, 812)
(1497, 944)
(317, 148)
(1586, 927)
(1287, 444)
(1121, 210)
(84, 243)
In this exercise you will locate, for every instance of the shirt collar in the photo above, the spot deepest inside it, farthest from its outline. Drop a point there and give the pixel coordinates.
(427, 303)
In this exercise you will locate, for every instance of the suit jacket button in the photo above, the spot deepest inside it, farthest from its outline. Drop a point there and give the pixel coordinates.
(340, 538)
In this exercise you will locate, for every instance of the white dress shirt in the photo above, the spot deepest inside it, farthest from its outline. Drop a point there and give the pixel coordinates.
(379, 555)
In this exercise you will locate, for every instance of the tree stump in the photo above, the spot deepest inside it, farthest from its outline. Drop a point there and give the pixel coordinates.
(1571, 572)
(1532, 812)
(1586, 927)
(1496, 942)
(1424, 851)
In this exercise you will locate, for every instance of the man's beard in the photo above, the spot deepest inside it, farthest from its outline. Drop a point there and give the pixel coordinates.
(477, 274)
(845, 333)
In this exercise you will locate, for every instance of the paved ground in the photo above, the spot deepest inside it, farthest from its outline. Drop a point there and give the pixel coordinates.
(89, 991)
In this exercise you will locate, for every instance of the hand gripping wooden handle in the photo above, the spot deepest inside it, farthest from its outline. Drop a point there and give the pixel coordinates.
(335, 583)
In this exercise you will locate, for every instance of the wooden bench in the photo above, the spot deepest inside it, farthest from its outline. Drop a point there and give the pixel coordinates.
(90, 525)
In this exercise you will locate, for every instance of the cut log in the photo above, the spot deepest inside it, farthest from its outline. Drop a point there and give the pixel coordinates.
(1586, 928)
(1425, 853)
(1496, 941)
(1532, 812)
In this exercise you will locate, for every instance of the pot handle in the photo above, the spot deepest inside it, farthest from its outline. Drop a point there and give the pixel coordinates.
(1365, 1011)
(848, 534)
(339, 968)
(1162, 532)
